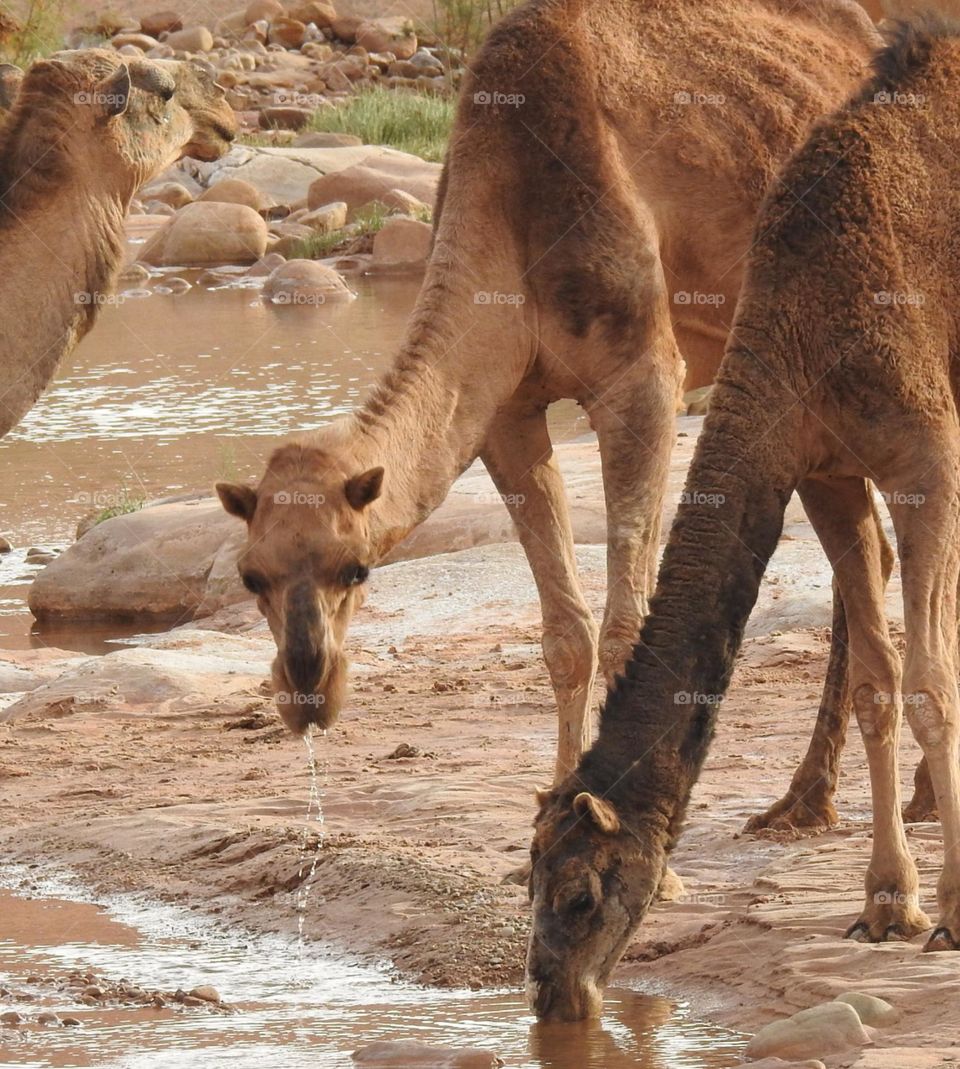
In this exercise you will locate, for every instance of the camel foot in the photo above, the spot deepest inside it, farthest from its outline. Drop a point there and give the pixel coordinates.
(671, 887)
(922, 807)
(519, 877)
(889, 917)
(942, 939)
(808, 814)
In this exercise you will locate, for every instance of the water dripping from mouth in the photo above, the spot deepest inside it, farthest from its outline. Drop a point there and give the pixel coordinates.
(312, 829)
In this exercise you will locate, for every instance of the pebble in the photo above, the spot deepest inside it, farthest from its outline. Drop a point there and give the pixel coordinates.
(93, 991)
(12, 1018)
(47, 1017)
(206, 993)
(70, 1022)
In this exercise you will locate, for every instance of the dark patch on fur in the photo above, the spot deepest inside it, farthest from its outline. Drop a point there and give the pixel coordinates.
(302, 658)
(910, 47)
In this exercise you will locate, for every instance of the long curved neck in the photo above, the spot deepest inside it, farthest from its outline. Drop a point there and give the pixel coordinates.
(60, 248)
(658, 721)
(461, 360)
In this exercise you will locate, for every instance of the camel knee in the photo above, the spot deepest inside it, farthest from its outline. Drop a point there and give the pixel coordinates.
(877, 710)
(570, 652)
(932, 716)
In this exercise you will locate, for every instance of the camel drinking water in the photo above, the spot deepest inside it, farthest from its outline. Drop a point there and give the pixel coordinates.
(87, 129)
(606, 166)
(841, 371)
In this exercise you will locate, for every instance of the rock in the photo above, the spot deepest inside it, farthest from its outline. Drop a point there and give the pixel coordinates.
(830, 1028)
(205, 993)
(5, 546)
(236, 191)
(778, 1063)
(320, 139)
(397, 200)
(380, 35)
(174, 284)
(285, 117)
(345, 27)
(208, 232)
(70, 1022)
(305, 282)
(287, 32)
(48, 1017)
(327, 219)
(264, 266)
(36, 555)
(319, 13)
(171, 193)
(92, 991)
(11, 1018)
(426, 60)
(161, 22)
(262, 11)
(142, 41)
(870, 1009)
(191, 39)
(697, 402)
(373, 178)
(401, 244)
(409, 1054)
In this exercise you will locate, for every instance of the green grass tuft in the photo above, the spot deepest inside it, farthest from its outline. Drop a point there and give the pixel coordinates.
(410, 122)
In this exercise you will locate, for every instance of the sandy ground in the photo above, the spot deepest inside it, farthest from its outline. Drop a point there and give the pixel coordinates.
(198, 796)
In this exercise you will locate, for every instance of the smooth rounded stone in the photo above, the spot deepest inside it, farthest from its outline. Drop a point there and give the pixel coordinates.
(93, 991)
(48, 1017)
(399, 201)
(130, 50)
(162, 51)
(401, 244)
(389, 34)
(206, 233)
(319, 13)
(161, 22)
(172, 193)
(236, 191)
(157, 207)
(262, 11)
(779, 1063)
(37, 555)
(70, 1022)
(345, 27)
(830, 1028)
(871, 1010)
(327, 219)
(330, 139)
(285, 31)
(305, 282)
(205, 993)
(143, 41)
(285, 117)
(265, 265)
(409, 1054)
(190, 39)
(11, 1018)
(5, 546)
(370, 180)
(425, 60)
(173, 285)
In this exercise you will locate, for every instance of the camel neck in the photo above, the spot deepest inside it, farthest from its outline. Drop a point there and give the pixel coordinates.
(659, 719)
(426, 420)
(76, 248)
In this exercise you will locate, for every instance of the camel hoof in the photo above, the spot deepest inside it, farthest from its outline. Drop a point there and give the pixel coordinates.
(895, 934)
(518, 877)
(942, 939)
(794, 817)
(859, 932)
(920, 813)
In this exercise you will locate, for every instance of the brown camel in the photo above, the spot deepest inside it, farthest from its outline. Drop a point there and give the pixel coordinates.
(87, 129)
(841, 369)
(604, 173)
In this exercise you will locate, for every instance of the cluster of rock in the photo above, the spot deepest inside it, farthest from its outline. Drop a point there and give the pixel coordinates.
(273, 201)
(278, 63)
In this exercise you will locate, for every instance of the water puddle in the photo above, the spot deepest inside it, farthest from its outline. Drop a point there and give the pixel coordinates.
(288, 1007)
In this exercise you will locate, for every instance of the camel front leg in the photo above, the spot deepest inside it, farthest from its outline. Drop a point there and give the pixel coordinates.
(635, 421)
(928, 532)
(843, 514)
(807, 807)
(519, 456)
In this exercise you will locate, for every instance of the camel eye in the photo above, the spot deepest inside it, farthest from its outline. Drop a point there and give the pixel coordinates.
(355, 575)
(581, 903)
(255, 583)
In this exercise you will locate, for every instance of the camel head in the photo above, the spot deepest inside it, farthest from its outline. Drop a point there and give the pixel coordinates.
(592, 880)
(307, 556)
(116, 119)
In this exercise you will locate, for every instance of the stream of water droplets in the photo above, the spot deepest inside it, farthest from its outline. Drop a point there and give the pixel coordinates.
(312, 824)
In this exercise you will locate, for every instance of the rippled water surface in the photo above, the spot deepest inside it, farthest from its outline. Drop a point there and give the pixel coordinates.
(291, 1010)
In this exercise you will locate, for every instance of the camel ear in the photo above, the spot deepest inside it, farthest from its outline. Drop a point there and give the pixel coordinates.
(113, 93)
(599, 811)
(238, 500)
(542, 795)
(362, 489)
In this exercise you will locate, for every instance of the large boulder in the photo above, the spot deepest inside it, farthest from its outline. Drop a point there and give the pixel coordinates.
(236, 191)
(831, 1028)
(305, 283)
(207, 233)
(161, 22)
(401, 244)
(374, 178)
(190, 39)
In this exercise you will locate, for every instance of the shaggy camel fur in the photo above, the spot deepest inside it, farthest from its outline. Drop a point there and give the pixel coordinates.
(86, 131)
(842, 368)
(604, 173)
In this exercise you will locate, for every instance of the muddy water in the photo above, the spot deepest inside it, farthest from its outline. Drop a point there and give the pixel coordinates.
(171, 392)
(286, 1010)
